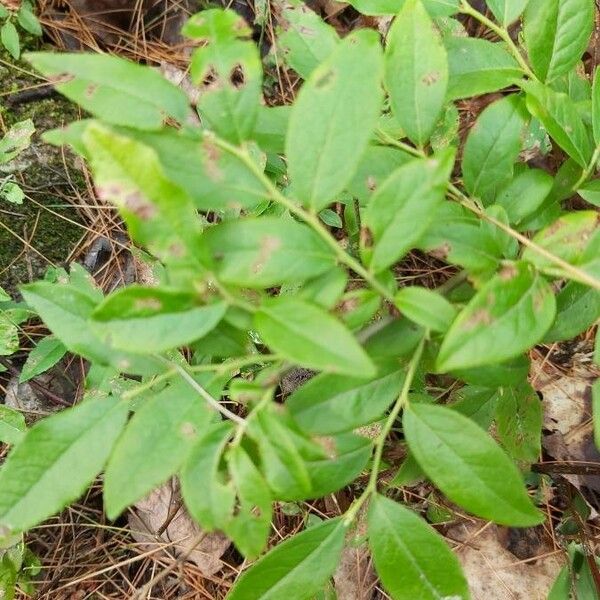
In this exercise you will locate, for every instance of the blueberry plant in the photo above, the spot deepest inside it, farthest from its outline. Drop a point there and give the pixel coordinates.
(257, 275)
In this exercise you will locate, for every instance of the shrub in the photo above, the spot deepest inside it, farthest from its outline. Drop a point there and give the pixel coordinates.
(259, 217)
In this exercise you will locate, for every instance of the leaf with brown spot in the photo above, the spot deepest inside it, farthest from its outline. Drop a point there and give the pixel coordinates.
(416, 71)
(114, 89)
(261, 253)
(333, 119)
(504, 319)
(567, 238)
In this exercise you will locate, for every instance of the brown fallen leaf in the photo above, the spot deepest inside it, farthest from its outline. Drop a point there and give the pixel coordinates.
(494, 572)
(162, 518)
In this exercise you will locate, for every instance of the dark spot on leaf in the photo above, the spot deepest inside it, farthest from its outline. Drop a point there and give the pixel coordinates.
(366, 237)
(237, 77)
(60, 78)
(188, 430)
(90, 90)
(479, 317)
(148, 304)
(431, 78)
(211, 161)
(325, 80)
(177, 250)
(508, 272)
(139, 206)
(442, 252)
(268, 245)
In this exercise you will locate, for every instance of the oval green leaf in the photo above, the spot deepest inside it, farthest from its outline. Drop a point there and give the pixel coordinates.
(323, 151)
(70, 449)
(114, 89)
(412, 560)
(308, 336)
(468, 466)
(297, 568)
(149, 320)
(509, 315)
(416, 71)
(266, 252)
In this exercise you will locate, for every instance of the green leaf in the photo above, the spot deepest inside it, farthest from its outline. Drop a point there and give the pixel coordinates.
(306, 40)
(435, 8)
(271, 126)
(252, 523)
(511, 372)
(158, 213)
(16, 140)
(525, 193)
(416, 71)
(509, 315)
(56, 461)
(229, 103)
(12, 425)
(459, 237)
(468, 466)
(323, 151)
(492, 148)
(506, 11)
(577, 309)
(9, 336)
(596, 107)
(519, 422)
(213, 179)
(477, 403)
(66, 310)
(154, 445)
(305, 334)
(376, 165)
(590, 192)
(402, 208)
(410, 557)
(283, 465)
(297, 568)
(267, 251)
(45, 355)
(208, 497)
(425, 307)
(28, 21)
(10, 39)
(566, 238)
(346, 457)
(12, 192)
(559, 115)
(477, 67)
(556, 34)
(150, 320)
(328, 404)
(114, 89)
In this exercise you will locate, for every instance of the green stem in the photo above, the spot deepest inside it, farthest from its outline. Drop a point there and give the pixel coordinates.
(571, 271)
(310, 219)
(401, 403)
(232, 365)
(212, 402)
(502, 33)
(588, 170)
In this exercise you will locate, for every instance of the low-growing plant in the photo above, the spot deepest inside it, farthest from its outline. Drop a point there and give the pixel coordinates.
(12, 19)
(278, 233)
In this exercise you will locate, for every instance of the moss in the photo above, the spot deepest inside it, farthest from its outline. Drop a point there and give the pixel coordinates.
(42, 171)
